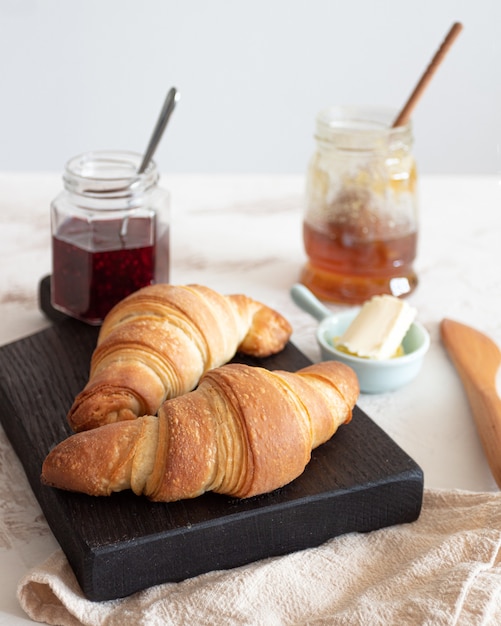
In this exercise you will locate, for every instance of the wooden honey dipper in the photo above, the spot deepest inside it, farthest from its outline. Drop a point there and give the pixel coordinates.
(405, 113)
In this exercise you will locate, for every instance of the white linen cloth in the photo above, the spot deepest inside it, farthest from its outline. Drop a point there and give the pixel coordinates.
(443, 569)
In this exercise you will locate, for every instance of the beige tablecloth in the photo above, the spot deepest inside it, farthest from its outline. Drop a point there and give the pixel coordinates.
(442, 569)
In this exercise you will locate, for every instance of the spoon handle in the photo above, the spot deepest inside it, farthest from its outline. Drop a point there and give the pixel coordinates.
(305, 300)
(405, 113)
(168, 106)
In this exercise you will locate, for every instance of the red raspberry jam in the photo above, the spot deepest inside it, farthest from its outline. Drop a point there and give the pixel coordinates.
(95, 266)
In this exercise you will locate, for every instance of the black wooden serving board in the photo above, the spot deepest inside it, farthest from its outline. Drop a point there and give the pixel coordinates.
(358, 481)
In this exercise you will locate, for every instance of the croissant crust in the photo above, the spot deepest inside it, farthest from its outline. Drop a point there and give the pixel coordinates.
(157, 343)
(244, 431)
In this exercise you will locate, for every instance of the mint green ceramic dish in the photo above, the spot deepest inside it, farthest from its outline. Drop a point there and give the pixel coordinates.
(374, 376)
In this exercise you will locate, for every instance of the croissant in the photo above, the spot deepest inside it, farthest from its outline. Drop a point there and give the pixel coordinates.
(158, 342)
(244, 431)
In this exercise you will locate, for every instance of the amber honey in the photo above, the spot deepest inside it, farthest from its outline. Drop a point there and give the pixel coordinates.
(345, 269)
(360, 225)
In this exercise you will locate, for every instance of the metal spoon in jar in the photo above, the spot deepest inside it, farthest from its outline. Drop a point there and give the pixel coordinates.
(167, 108)
(169, 105)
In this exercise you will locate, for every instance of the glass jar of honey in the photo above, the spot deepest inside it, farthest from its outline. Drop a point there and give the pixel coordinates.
(110, 233)
(360, 226)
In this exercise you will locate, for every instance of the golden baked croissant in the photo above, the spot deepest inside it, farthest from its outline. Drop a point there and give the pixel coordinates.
(244, 431)
(158, 342)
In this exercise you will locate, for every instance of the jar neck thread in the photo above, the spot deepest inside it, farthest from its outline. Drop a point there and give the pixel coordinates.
(353, 129)
(108, 175)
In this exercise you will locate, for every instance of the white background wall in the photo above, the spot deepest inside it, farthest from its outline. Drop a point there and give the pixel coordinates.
(78, 75)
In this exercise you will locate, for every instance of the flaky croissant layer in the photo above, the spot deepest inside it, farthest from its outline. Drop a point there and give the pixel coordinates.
(244, 431)
(158, 342)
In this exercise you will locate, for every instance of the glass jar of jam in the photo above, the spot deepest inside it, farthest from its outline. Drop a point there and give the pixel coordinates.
(360, 226)
(110, 233)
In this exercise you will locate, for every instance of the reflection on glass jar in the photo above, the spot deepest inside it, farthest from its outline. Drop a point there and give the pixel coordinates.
(110, 233)
(360, 226)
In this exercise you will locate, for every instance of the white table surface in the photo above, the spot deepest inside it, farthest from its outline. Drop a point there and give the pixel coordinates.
(243, 234)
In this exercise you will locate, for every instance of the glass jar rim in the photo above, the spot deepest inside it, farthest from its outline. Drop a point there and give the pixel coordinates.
(369, 124)
(108, 173)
